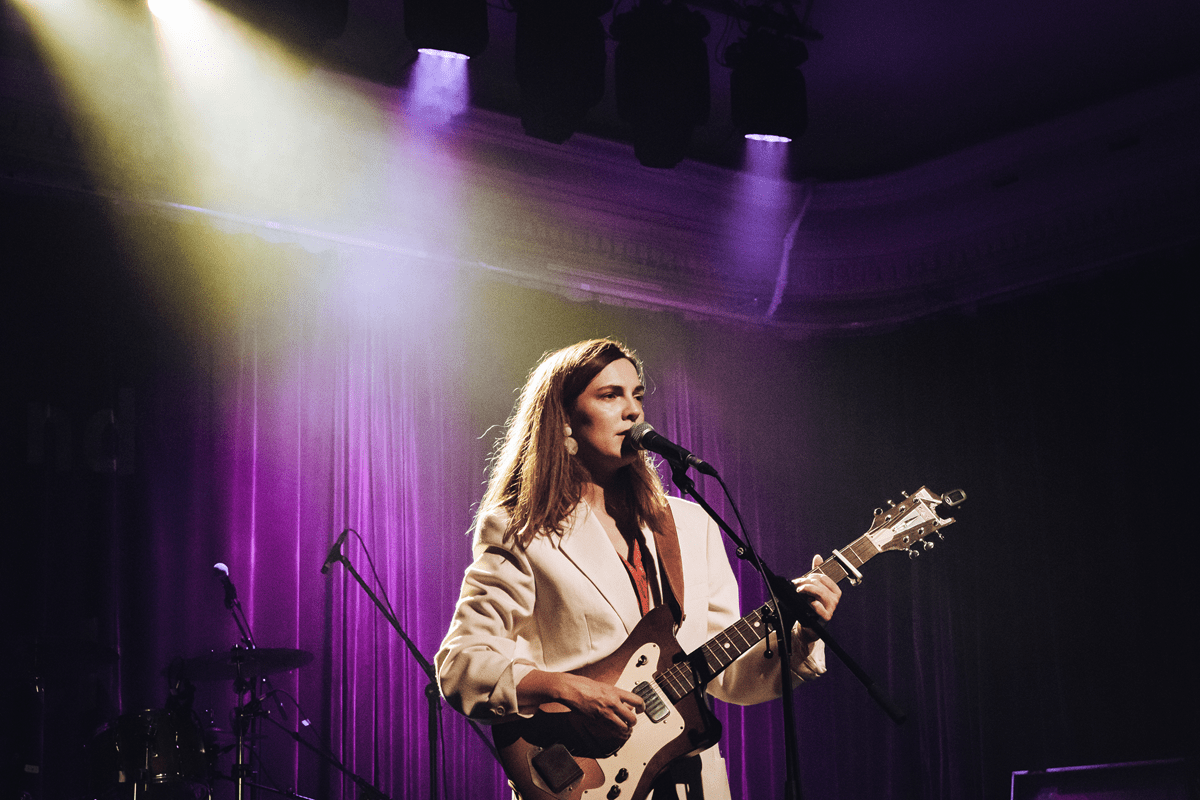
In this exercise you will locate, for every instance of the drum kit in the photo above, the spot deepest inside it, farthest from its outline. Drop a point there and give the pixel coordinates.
(167, 753)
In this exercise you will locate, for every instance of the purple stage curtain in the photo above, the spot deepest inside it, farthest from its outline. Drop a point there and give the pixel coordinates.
(335, 396)
(169, 417)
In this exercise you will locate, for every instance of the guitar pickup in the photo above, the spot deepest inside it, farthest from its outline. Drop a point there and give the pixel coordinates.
(656, 707)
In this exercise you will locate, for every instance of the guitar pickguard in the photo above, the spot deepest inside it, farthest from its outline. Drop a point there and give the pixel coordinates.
(648, 737)
(651, 658)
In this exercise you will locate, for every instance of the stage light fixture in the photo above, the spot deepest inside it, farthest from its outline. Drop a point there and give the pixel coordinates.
(662, 82)
(560, 60)
(447, 27)
(768, 96)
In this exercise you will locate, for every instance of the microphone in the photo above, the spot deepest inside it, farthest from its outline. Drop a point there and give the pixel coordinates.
(222, 573)
(644, 437)
(335, 552)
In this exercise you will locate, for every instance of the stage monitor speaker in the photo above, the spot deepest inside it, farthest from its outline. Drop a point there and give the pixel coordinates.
(1143, 780)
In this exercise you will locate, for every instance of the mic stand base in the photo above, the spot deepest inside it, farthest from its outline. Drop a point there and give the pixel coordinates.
(431, 691)
(263, 786)
(367, 789)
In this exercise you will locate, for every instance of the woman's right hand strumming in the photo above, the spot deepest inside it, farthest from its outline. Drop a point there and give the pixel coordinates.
(614, 709)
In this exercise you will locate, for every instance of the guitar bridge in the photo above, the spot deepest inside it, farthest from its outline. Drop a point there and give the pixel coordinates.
(656, 707)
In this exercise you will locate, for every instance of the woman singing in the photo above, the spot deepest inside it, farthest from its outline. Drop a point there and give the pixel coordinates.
(575, 540)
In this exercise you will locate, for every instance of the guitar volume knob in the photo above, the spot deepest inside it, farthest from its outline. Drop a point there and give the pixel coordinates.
(614, 792)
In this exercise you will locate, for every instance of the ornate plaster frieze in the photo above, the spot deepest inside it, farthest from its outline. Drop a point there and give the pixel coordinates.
(585, 220)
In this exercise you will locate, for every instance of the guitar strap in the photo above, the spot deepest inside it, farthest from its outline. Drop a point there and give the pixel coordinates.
(666, 541)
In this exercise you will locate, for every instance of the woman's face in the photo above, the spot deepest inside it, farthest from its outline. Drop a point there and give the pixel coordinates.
(604, 412)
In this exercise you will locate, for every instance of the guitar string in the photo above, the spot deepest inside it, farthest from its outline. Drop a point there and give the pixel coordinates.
(720, 651)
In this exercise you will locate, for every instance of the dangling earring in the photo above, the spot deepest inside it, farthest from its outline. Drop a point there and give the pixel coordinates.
(571, 445)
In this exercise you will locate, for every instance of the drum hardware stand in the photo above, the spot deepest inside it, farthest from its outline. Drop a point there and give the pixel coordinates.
(243, 682)
(432, 692)
(243, 723)
(251, 671)
(142, 778)
(246, 783)
(246, 667)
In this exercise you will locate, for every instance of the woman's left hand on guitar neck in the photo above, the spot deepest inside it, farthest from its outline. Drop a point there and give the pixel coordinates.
(825, 593)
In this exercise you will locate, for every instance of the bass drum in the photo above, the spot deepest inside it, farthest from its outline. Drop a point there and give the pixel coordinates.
(157, 754)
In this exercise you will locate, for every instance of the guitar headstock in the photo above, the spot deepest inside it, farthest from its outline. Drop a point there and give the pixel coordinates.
(904, 525)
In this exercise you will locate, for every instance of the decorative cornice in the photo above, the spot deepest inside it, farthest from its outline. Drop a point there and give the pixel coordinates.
(585, 220)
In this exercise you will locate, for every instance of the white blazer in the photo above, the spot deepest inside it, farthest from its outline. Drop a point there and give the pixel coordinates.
(567, 601)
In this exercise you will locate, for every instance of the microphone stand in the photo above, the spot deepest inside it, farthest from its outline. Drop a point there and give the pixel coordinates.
(247, 714)
(244, 732)
(369, 792)
(783, 594)
(432, 693)
(274, 790)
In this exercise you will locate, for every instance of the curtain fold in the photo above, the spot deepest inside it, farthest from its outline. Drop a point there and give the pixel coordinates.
(336, 393)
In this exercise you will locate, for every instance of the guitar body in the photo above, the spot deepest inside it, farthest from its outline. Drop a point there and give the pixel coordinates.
(557, 755)
(668, 731)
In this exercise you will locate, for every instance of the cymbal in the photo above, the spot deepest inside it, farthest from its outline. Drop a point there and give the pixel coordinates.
(240, 662)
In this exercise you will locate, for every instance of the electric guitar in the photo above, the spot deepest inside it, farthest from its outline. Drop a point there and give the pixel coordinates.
(557, 754)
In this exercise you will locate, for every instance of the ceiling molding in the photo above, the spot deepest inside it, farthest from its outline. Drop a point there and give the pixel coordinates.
(585, 220)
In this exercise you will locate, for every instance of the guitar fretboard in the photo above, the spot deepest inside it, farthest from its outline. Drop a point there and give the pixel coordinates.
(705, 663)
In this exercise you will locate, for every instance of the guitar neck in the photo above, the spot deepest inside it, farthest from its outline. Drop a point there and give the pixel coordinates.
(711, 659)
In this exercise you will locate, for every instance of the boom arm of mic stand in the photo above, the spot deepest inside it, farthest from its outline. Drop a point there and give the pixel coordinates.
(368, 790)
(271, 789)
(784, 591)
(412, 648)
(797, 604)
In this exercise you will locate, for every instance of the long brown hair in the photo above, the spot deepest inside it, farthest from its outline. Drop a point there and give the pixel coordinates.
(533, 478)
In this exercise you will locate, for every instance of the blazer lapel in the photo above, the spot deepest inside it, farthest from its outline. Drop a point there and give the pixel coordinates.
(587, 546)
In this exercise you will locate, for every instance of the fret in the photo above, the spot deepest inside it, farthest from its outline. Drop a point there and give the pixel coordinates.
(673, 683)
(727, 646)
(863, 549)
(680, 679)
(676, 682)
(745, 633)
(719, 650)
(833, 570)
(900, 528)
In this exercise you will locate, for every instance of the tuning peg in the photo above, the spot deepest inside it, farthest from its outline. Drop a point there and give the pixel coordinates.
(941, 536)
(905, 495)
(891, 504)
(913, 553)
(927, 544)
